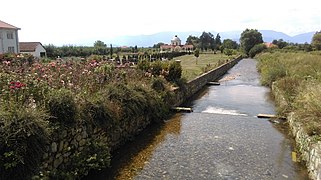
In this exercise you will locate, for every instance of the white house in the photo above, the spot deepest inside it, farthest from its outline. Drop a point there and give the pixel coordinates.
(9, 42)
(34, 48)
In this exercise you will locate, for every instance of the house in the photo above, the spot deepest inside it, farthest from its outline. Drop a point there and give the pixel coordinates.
(34, 48)
(176, 46)
(269, 45)
(9, 41)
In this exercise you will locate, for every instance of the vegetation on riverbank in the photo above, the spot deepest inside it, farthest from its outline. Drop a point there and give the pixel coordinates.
(297, 75)
(40, 100)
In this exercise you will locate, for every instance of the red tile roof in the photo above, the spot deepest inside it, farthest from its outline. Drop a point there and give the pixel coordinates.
(7, 26)
(28, 46)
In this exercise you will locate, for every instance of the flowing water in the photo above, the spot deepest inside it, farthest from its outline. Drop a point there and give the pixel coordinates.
(221, 139)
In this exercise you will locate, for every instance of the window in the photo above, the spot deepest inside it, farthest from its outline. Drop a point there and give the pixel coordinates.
(10, 35)
(11, 49)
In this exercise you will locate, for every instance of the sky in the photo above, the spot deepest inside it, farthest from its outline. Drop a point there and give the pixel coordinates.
(66, 22)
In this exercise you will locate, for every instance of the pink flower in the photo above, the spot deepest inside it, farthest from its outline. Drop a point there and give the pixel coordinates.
(16, 85)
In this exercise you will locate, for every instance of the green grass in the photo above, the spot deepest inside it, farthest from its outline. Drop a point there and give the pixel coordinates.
(205, 63)
(298, 76)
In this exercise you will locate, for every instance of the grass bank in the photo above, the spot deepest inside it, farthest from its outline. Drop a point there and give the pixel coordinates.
(205, 63)
(298, 76)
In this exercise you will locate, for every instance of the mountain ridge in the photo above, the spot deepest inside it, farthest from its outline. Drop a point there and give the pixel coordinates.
(166, 36)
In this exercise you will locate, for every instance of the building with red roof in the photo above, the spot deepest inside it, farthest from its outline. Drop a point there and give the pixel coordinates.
(176, 45)
(9, 41)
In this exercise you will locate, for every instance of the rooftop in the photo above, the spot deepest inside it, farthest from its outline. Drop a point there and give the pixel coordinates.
(28, 46)
(7, 26)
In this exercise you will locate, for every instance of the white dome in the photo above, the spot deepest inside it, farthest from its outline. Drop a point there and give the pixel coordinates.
(175, 38)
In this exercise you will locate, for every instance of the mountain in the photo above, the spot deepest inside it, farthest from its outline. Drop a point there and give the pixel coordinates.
(165, 37)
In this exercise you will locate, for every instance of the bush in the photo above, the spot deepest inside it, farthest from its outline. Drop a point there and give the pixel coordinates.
(23, 137)
(143, 65)
(156, 68)
(62, 107)
(158, 84)
(256, 50)
(174, 72)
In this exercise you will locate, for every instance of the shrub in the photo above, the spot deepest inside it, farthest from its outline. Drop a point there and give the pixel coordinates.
(158, 84)
(174, 72)
(156, 68)
(143, 65)
(23, 137)
(256, 50)
(62, 107)
(98, 112)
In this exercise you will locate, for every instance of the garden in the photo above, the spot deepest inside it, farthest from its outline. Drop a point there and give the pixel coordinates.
(40, 101)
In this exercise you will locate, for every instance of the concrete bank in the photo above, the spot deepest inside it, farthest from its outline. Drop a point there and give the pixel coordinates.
(309, 148)
(193, 86)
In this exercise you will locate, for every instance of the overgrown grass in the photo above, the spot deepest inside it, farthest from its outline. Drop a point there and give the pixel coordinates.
(298, 77)
(193, 67)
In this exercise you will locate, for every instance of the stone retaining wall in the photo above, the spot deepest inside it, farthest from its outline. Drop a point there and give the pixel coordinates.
(69, 144)
(199, 82)
(309, 148)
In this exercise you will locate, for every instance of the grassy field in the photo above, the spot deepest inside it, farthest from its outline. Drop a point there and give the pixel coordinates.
(205, 63)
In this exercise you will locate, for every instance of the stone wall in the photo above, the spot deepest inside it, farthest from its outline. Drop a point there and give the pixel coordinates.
(193, 86)
(309, 148)
(67, 147)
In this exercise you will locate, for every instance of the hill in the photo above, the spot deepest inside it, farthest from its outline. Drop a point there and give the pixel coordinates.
(165, 37)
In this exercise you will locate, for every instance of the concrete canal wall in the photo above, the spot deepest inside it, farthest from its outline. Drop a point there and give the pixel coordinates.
(193, 86)
(309, 148)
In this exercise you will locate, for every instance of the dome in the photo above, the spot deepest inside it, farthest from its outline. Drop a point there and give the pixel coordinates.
(176, 38)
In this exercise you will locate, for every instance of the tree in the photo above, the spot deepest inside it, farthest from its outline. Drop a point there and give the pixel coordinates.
(316, 41)
(218, 41)
(193, 40)
(111, 51)
(158, 45)
(256, 50)
(197, 54)
(207, 41)
(250, 38)
(100, 47)
(99, 43)
(229, 44)
(280, 43)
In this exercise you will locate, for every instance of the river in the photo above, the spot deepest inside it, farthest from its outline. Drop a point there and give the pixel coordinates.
(221, 139)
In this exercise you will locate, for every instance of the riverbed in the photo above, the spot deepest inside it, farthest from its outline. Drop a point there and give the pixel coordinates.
(221, 139)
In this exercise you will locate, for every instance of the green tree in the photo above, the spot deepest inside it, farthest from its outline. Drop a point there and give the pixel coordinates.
(99, 43)
(111, 51)
(280, 43)
(316, 41)
(207, 41)
(256, 50)
(100, 47)
(250, 38)
(229, 44)
(158, 45)
(193, 40)
(218, 42)
(197, 54)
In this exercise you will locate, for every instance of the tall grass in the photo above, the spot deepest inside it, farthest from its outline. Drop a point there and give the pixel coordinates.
(298, 77)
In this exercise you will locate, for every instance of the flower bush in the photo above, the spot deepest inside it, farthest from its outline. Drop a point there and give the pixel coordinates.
(37, 98)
